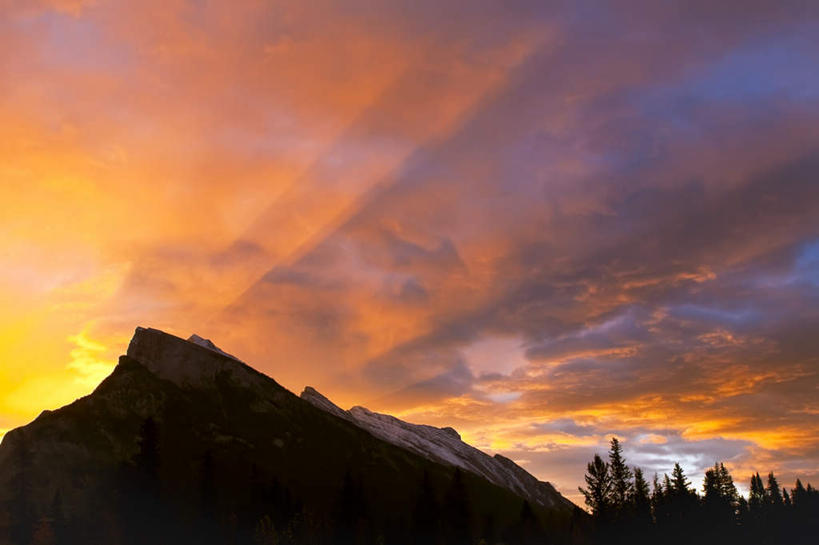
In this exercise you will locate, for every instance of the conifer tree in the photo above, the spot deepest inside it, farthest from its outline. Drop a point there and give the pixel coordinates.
(719, 504)
(640, 507)
(656, 490)
(757, 497)
(729, 490)
(772, 492)
(621, 475)
(598, 487)
(711, 486)
(657, 499)
(799, 496)
(679, 482)
(640, 490)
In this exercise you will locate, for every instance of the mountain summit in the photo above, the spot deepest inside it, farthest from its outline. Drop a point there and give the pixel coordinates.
(185, 443)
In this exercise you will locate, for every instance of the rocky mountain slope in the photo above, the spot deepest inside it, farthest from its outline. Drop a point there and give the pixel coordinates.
(445, 446)
(184, 443)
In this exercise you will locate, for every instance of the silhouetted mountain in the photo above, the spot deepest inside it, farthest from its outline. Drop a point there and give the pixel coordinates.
(184, 443)
(444, 445)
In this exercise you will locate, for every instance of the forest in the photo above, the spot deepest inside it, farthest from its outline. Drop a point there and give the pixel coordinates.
(626, 509)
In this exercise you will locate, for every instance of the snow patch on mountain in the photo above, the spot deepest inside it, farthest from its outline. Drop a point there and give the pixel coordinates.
(444, 445)
(312, 395)
(196, 339)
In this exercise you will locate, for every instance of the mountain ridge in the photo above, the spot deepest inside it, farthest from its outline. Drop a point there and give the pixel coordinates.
(445, 445)
(191, 419)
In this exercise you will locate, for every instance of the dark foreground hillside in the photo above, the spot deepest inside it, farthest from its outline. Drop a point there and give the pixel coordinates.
(182, 444)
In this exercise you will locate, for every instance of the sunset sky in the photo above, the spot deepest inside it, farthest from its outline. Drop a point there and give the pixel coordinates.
(541, 223)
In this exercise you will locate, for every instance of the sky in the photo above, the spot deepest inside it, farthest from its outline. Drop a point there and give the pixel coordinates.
(541, 223)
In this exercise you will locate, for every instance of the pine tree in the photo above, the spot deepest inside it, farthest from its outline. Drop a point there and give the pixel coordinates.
(729, 490)
(799, 496)
(640, 491)
(598, 487)
(621, 475)
(680, 506)
(656, 490)
(773, 494)
(718, 504)
(657, 499)
(679, 482)
(757, 497)
(711, 486)
(640, 508)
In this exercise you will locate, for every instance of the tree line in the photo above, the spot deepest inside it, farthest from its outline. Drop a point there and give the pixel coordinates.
(626, 509)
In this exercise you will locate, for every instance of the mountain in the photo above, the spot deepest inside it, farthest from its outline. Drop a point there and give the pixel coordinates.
(184, 443)
(444, 445)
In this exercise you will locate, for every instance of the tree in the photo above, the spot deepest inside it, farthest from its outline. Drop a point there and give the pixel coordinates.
(621, 475)
(640, 509)
(680, 485)
(772, 492)
(640, 495)
(598, 487)
(666, 484)
(757, 496)
(711, 486)
(729, 490)
(678, 508)
(799, 497)
(719, 504)
(656, 491)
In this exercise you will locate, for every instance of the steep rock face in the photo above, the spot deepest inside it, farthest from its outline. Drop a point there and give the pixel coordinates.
(444, 445)
(195, 362)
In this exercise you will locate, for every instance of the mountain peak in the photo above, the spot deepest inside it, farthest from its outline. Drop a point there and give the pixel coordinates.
(315, 398)
(195, 361)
